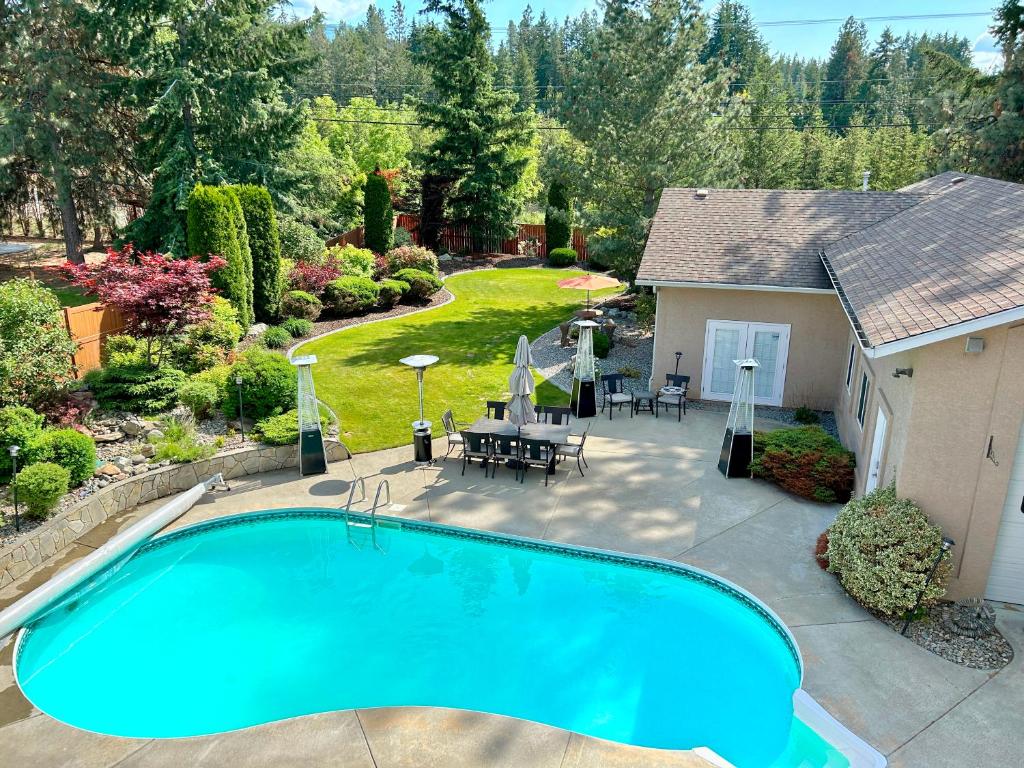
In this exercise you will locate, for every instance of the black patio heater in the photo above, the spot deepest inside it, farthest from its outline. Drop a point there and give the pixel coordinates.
(738, 443)
(422, 449)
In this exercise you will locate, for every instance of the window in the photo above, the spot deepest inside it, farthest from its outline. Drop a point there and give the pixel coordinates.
(862, 403)
(849, 367)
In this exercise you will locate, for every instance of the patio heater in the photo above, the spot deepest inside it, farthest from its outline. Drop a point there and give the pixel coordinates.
(422, 450)
(584, 391)
(312, 454)
(738, 443)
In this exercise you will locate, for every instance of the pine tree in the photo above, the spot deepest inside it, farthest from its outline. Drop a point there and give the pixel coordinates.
(770, 144)
(473, 166)
(378, 216)
(735, 40)
(844, 75)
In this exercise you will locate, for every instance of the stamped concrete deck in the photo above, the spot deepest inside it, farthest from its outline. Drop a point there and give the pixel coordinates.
(653, 489)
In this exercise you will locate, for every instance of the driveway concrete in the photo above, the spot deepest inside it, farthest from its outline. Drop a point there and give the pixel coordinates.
(653, 489)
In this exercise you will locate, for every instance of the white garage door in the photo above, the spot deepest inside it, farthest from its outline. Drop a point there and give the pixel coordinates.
(1006, 579)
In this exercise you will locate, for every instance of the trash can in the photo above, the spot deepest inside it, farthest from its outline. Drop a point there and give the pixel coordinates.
(421, 442)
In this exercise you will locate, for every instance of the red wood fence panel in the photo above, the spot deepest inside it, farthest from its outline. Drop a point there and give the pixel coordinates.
(89, 325)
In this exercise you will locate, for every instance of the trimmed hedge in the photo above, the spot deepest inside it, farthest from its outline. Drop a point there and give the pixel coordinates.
(391, 292)
(40, 487)
(214, 222)
(265, 245)
(806, 461)
(422, 285)
(19, 426)
(70, 449)
(378, 215)
(301, 304)
(276, 338)
(269, 385)
(351, 295)
(882, 548)
(558, 218)
(561, 257)
(412, 257)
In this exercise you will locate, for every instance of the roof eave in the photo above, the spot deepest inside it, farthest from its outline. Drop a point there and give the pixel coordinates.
(730, 286)
(946, 333)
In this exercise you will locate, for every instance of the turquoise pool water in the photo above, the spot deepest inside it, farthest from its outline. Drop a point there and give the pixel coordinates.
(266, 616)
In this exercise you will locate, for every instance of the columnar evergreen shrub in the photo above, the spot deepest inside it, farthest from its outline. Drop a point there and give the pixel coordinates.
(882, 548)
(422, 285)
(299, 242)
(806, 461)
(561, 257)
(22, 427)
(602, 345)
(558, 218)
(378, 215)
(301, 304)
(269, 385)
(351, 295)
(391, 292)
(412, 257)
(213, 230)
(238, 219)
(40, 487)
(70, 449)
(265, 245)
(35, 347)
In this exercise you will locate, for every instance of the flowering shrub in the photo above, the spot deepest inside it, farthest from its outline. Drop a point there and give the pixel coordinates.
(312, 278)
(882, 548)
(412, 257)
(806, 461)
(157, 296)
(529, 247)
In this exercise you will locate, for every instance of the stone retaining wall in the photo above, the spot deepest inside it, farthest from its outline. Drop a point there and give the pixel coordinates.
(64, 529)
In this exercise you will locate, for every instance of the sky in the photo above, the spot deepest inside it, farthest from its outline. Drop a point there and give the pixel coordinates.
(805, 40)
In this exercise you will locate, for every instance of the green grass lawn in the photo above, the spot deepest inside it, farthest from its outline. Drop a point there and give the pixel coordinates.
(70, 297)
(359, 376)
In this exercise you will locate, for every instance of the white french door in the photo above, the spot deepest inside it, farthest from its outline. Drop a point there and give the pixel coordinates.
(728, 340)
(877, 446)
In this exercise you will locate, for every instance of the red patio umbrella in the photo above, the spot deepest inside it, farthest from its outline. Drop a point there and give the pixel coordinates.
(589, 283)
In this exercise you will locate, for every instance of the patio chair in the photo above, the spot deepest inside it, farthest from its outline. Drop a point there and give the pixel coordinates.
(504, 447)
(535, 453)
(451, 431)
(677, 401)
(613, 393)
(557, 414)
(475, 445)
(540, 411)
(496, 409)
(575, 450)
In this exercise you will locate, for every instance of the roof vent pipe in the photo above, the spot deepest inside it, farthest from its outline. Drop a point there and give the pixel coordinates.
(700, 193)
(864, 176)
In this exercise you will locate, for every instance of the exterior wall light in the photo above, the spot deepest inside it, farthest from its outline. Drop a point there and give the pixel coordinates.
(908, 372)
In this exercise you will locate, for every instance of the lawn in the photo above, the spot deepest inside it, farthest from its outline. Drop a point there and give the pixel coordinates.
(70, 297)
(359, 376)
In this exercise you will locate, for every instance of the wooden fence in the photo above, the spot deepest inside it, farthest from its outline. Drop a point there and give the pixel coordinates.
(457, 238)
(89, 325)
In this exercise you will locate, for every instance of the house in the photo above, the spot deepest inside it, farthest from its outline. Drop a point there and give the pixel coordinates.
(902, 312)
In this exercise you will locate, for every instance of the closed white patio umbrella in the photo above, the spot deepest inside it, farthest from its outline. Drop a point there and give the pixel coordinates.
(520, 384)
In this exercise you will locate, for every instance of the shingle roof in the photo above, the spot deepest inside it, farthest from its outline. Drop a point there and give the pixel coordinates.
(757, 236)
(955, 257)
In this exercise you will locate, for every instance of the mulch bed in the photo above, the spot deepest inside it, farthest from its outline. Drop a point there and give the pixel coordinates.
(489, 261)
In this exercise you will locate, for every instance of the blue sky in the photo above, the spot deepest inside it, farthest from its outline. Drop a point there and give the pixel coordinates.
(807, 40)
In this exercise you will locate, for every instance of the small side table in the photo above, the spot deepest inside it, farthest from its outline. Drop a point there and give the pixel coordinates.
(639, 398)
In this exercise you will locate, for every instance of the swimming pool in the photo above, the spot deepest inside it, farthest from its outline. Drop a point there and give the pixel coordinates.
(253, 618)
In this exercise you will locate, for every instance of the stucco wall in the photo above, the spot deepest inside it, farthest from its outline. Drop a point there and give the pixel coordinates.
(816, 344)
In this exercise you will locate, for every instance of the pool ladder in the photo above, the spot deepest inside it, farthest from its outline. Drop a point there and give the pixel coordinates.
(351, 522)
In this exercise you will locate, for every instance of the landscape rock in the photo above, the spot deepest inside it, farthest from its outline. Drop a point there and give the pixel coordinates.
(108, 437)
(257, 329)
(138, 458)
(123, 463)
(155, 434)
(148, 450)
(132, 428)
(108, 470)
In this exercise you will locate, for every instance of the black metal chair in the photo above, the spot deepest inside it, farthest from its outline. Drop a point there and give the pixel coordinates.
(613, 393)
(575, 451)
(535, 453)
(558, 414)
(540, 411)
(677, 401)
(504, 447)
(496, 409)
(475, 445)
(451, 431)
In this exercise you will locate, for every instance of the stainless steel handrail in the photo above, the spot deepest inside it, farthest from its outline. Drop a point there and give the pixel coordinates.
(358, 482)
(383, 486)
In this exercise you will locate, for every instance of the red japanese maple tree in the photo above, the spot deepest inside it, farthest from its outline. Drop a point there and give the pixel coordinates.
(157, 296)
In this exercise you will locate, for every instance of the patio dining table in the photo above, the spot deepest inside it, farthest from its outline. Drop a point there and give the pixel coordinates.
(556, 434)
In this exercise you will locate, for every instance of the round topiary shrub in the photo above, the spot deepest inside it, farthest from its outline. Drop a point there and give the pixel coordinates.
(561, 257)
(412, 257)
(279, 430)
(391, 292)
(200, 397)
(301, 304)
(882, 548)
(276, 338)
(70, 449)
(422, 285)
(297, 327)
(269, 385)
(351, 295)
(22, 427)
(40, 487)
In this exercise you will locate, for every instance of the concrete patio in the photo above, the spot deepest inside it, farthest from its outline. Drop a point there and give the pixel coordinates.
(653, 489)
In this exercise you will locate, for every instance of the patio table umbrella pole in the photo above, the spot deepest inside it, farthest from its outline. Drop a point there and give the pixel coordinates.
(589, 283)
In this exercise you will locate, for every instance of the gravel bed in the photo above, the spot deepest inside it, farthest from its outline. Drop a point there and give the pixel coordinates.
(826, 419)
(633, 349)
(991, 652)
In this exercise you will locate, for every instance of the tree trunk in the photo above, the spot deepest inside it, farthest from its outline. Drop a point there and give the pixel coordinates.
(97, 237)
(66, 204)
